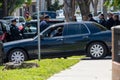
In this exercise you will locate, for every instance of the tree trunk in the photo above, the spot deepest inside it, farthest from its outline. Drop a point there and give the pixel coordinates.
(48, 4)
(95, 7)
(5, 12)
(104, 9)
(69, 10)
(84, 7)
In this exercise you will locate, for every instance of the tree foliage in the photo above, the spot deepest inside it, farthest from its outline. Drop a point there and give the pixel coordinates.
(113, 3)
(9, 6)
(55, 6)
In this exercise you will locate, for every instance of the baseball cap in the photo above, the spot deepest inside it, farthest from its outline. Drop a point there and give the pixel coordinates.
(13, 20)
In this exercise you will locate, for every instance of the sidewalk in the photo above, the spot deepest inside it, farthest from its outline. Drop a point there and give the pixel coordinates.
(87, 70)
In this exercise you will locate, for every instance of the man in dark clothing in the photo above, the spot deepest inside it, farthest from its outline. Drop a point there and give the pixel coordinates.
(44, 23)
(15, 33)
(59, 32)
(102, 20)
(116, 20)
(110, 21)
(90, 18)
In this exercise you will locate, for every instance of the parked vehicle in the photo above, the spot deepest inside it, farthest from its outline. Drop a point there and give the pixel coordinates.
(33, 27)
(51, 14)
(1, 53)
(3, 30)
(63, 40)
(20, 19)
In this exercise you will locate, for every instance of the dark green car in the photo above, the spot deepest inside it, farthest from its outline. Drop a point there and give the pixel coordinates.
(63, 40)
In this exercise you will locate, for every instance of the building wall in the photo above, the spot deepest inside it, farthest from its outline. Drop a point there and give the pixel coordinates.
(60, 2)
(32, 8)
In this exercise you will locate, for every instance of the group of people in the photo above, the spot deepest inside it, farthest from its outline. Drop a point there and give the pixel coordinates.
(16, 34)
(113, 20)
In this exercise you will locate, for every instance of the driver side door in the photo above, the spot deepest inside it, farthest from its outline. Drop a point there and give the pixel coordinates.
(52, 45)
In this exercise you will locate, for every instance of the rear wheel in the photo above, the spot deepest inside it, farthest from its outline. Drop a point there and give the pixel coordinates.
(17, 56)
(97, 50)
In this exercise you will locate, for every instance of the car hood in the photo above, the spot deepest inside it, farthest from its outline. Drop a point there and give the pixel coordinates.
(17, 42)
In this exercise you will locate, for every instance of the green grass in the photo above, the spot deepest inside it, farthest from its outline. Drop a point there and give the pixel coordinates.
(47, 68)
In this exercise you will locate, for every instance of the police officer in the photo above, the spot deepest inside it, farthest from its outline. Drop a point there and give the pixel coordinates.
(44, 23)
(15, 33)
(90, 18)
(102, 20)
(110, 21)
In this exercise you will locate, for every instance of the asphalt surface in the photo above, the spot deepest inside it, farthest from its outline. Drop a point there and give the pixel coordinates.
(87, 69)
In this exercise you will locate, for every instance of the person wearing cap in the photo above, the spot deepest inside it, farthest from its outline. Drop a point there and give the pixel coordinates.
(102, 20)
(110, 21)
(15, 33)
(44, 23)
(90, 18)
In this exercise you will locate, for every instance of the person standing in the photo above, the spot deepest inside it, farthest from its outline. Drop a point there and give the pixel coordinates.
(27, 16)
(15, 33)
(102, 20)
(116, 20)
(85, 18)
(110, 21)
(90, 18)
(44, 23)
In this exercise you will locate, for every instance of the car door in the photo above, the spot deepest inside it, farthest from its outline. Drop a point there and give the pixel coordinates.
(51, 45)
(76, 37)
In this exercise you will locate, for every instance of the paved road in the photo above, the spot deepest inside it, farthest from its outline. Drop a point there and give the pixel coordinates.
(87, 70)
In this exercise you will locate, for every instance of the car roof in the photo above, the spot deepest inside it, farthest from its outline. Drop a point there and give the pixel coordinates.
(11, 17)
(49, 20)
(1, 20)
(45, 12)
(82, 22)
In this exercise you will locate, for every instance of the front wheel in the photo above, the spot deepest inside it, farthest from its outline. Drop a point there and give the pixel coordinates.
(97, 50)
(17, 56)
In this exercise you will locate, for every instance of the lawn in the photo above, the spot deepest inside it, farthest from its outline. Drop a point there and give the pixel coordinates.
(47, 68)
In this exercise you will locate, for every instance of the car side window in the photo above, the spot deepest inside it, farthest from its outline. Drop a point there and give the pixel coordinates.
(72, 29)
(30, 28)
(54, 31)
(75, 29)
(94, 27)
(83, 29)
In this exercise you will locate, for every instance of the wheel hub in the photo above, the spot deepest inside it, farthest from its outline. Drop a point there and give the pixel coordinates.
(17, 57)
(96, 50)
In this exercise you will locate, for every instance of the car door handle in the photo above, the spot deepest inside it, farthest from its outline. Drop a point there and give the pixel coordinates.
(59, 39)
(85, 37)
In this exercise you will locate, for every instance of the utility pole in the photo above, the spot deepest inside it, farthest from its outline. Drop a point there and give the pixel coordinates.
(38, 25)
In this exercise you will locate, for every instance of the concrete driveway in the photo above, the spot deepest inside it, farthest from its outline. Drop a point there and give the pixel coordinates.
(87, 70)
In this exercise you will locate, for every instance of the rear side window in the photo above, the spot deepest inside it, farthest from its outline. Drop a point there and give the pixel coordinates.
(94, 27)
(75, 29)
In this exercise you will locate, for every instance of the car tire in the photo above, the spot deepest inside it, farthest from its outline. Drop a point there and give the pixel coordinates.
(17, 56)
(97, 50)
